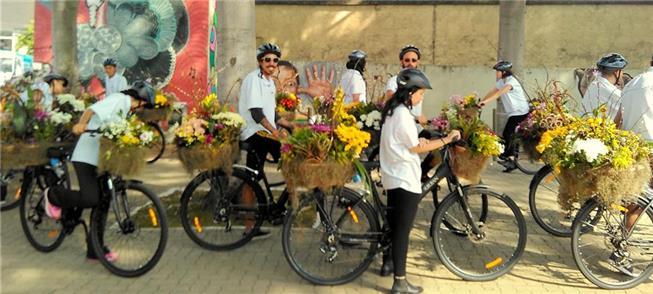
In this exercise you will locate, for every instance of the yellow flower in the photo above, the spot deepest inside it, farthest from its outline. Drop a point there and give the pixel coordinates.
(353, 138)
(160, 100)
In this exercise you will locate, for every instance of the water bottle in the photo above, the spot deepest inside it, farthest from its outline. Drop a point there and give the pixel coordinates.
(57, 167)
(357, 178)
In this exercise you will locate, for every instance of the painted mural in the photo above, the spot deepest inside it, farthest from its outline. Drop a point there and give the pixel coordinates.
(163, 41)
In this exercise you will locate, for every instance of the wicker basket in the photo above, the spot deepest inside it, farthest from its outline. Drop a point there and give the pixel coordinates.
(155, 114)
(606, 183)
(19, 155)
(203, 157)
(315, 174)
(121, 161)
(467, 166)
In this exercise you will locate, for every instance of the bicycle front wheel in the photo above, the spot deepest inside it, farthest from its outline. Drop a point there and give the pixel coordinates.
(130, 234)
(10, 185)
(487, 255)
(607, 255)
(331, 239)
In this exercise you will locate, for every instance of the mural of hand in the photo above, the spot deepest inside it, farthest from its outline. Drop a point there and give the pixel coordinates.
(318, 84)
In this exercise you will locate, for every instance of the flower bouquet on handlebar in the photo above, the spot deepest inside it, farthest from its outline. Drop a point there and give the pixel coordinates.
(478, 142)
(549, 110)
(368, 116)
(207, 138)
(596, 159)
(162, 110)
(123, 146)
(323, 155)
(287, 105)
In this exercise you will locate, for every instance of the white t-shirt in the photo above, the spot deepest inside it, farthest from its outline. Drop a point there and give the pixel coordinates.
(599, 92)
(515, 100)
(114, 84)
(637, 102)
(352, 83)
(416, 111)
(256, 92)
(400, 168)
(47, 96)
(111, 108)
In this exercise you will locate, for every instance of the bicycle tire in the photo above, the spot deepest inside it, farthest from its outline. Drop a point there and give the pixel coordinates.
(11, 196)
(32, 215)
(436, 204)
(495, 267)
(353, 201)
(162, 141)
(157, 216)
(578, 229)
(194, 221)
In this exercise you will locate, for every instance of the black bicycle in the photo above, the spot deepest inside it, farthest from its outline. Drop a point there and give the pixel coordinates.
(331, 240)
(10, 182)
(129, 220)
(158, 146)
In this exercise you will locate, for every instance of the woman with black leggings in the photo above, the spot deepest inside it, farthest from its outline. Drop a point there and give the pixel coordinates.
(400, 167)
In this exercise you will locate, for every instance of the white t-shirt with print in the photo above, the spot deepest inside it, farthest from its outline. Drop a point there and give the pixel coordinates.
(400, 168)
(111, 108)
(114, 84)
(391, 85)
(352, 82)
(256, 92)
(514, 101)
(637, 102)
(599, 92)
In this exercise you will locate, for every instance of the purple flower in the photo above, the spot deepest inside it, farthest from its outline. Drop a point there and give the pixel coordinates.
(219, 126)
(321, 128)
(286, 148)
(440, 123)
(40, 115)
(209, 139)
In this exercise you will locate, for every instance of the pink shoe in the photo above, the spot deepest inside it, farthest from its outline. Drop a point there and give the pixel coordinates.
(111, 256)
(51, 211)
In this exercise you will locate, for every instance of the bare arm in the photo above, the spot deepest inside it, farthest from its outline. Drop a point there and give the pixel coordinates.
(80, 127)
(356, 98)
(437, 143)
(494, 94)
(388, 94)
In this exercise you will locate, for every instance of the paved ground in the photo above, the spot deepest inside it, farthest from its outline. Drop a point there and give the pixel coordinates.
(260, 267)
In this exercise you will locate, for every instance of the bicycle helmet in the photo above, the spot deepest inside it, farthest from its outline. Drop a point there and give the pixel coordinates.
(144, 92)
(410, 48)
(51, 77)
(612, 61)
(110, 61)
(411, 77)
(357, 55)
(502, 65)
(268, 48)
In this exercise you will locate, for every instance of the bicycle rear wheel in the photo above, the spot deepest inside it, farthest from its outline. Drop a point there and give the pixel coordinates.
(43, 233)
(331, 239)
(10, 185)
(133, 228)
(526, 164)
(158, 146)
(593, 245)
(217, 214)
(482, 257)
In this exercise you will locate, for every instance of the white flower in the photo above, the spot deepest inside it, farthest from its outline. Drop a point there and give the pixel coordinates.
(60, 118)
(78, 105)
(500, 147)
(363, 117)
(146, 137)
(359, 125)
(230, 119)
(591, 148)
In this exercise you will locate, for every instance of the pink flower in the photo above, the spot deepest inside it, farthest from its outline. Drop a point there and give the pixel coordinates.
(321, 128)
(209, 139)
(286, 148)
(457, 100)
(41, 115)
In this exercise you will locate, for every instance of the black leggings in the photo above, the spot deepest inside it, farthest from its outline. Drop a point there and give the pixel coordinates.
(509, 134)
(262, 146)
(89, 189)
(402, 208)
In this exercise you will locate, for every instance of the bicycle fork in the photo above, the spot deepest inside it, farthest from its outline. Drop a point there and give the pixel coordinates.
(472, 226)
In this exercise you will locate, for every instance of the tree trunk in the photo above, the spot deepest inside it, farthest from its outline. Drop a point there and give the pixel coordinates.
(511, 45)
(236, 54)
(64, 41)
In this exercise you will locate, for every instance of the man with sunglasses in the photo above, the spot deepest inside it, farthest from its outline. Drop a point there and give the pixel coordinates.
(257, 106)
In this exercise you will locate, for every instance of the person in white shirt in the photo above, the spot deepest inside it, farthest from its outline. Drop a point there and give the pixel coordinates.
(637, 103)
(400, 167)
(43, 92)
(352, 81)
(87, 150)
(113, 82)
(603, 90)
(515, 103)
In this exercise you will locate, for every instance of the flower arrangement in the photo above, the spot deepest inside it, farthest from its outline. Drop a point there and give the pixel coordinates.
(321, 155)
(162, 109)
(207, 137)
(123, 146)
(596, 158)
(287, 102)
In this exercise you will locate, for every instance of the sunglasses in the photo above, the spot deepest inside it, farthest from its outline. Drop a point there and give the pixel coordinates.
(268, 59)
(411, 60)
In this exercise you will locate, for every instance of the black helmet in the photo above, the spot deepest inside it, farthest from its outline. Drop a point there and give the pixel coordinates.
(612, 61)
(144, 92)
(502, 65)
(51, 77)
(268, 48)
(110, 61)
(412, 77)
(357, 54)
(409, 48)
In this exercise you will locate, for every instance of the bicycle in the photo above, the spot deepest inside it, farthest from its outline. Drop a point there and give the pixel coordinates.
(127, 214)
(10, 183)
(609, 254)
(159, 146)
(523, 162)
(333, 240)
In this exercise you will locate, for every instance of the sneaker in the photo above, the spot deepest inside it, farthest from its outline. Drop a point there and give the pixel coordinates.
(622, 264)
(51, 211)
(108, 254)
(509, 165)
